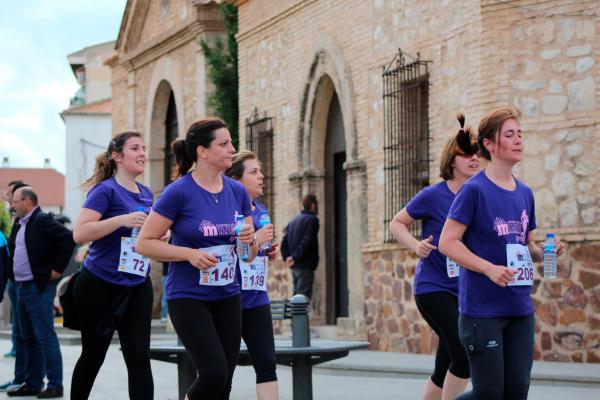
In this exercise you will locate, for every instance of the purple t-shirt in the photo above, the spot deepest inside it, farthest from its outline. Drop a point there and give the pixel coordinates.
(111, 199)
(494, 217)
(254, 298)
(200, 220)
(431, 205)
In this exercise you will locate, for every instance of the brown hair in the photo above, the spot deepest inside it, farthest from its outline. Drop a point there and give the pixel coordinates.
(490, 125)
(236, 171)
(308, 201)
(462, 143)
(105, 165)
(200, 133)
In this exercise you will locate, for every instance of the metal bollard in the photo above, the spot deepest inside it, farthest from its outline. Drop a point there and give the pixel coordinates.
(298, 308)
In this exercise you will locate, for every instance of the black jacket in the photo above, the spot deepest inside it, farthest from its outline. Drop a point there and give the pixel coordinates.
(301, 241)
(49, 246)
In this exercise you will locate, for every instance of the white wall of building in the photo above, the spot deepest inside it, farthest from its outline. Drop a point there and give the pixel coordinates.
(87, 135)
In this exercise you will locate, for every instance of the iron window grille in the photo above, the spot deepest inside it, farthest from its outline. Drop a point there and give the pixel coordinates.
(259, 139)
(406, 131)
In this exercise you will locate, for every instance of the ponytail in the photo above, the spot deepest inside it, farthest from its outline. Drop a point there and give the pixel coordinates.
(105, 166)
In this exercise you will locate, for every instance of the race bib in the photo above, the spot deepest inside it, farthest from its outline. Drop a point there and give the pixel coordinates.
(452, 268)
(131, 262)
(519, 260)
(224, 272)
(254, 274)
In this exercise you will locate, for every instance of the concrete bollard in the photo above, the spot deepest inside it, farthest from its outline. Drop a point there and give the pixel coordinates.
(297, 306)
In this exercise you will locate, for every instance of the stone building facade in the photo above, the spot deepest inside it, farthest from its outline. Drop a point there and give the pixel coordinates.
(314, 67)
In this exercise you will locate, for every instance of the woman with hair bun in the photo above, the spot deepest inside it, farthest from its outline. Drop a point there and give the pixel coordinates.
(489, 232)
(203, 294)
(113, 290)
(436, 278)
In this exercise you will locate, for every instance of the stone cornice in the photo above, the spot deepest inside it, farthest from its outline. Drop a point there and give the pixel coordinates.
(273, 20)
(352, 165)
(306, 174)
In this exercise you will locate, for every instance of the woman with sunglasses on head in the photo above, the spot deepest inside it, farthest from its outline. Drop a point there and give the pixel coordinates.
(113, 290)
(203, 295)
(489, 232)
(436, 278)
(257, 328)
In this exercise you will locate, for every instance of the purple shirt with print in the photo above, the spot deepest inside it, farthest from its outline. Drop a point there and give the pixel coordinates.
(431, 205)
(200, 219)
(111, 199)
(494, 217)
(254, 298)
(21, 266)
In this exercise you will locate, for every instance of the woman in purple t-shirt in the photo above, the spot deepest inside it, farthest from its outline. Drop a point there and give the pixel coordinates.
(203, 294)
(436, 278)
(489, 232)
(257, 327)
(113, 290)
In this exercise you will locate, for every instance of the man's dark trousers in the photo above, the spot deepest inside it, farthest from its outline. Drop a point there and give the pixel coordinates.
(303, 281)
(40, 342)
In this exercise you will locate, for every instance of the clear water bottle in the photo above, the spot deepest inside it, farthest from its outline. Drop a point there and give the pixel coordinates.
(243, 249)
(549, 257)
(263, 221)
(135, 231)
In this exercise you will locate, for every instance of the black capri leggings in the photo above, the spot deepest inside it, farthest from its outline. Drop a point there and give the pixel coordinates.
(211, 333)
(440, 310)
(93, 296)
(257, 332)
(500, 351)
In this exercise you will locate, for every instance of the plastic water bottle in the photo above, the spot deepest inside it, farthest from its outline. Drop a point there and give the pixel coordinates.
(263, 221)
(549, 257)
(135, 231)
(243, 249)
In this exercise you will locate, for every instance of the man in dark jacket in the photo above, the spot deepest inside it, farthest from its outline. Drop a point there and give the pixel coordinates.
(42, 248)
(300, 246)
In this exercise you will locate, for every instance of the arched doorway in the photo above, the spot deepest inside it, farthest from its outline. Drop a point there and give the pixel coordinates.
(336, 231)
(171, 134)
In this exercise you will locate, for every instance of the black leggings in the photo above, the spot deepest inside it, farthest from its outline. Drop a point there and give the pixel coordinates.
(257, 331)
(211, 333)
(440, 310)
(500, 351)
(93, 296)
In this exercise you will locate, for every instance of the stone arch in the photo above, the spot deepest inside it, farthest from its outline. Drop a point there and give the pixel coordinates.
(329, 74)
(165, 79)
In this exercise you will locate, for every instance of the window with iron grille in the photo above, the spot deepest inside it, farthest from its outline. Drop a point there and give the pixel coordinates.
(259, 139)
(406, 130)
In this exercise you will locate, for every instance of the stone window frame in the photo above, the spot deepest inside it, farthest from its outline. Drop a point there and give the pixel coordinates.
(406, 134)
(259, 139)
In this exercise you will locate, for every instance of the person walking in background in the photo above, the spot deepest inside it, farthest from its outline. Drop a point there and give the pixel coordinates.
(113, 290)
(300, 246)
(489, 232)
(201, 208)
(257, 327)
(42, 250)
(436, 278)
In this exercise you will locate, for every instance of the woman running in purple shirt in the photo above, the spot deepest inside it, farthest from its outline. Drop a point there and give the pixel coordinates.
(436, 278)
(489, 232)
(203, 294)
(113, 290)
(257, 328)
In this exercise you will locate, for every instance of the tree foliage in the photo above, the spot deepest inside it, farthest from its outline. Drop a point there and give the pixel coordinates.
(222, 71)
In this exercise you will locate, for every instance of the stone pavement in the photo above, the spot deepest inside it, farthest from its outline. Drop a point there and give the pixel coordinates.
(361, 376)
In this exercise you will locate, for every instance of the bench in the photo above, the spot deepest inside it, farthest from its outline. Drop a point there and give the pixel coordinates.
(298, 353)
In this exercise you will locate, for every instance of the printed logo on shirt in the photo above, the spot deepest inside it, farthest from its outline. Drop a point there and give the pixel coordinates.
(210, 229)
(492, 343)
(519, 228)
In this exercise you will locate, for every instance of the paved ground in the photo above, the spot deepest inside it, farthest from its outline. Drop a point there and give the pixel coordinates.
(328, 384)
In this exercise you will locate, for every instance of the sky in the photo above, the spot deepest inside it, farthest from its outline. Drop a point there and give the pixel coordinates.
(36, 81)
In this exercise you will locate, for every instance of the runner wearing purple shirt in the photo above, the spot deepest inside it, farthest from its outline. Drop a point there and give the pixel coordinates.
(113, 290)
(489, 232)
(203, 294)
(436, 278)
(257, 328)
